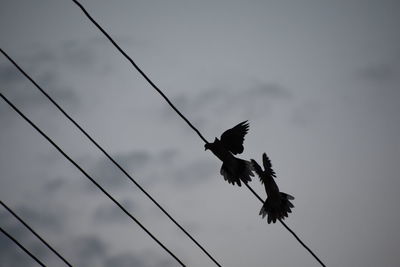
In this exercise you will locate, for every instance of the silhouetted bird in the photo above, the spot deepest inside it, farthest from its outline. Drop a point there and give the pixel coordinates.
(277, 205)
(233, 169)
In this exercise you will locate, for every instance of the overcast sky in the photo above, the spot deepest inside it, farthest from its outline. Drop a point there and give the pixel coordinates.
(318, 81)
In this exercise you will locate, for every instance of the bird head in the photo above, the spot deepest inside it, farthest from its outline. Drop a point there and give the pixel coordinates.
(209, 145)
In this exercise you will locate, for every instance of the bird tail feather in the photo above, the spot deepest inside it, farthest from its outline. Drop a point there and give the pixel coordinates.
(277, 209)
(239, 170)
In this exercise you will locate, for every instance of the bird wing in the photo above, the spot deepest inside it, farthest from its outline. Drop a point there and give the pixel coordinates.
(233, 138)
(268, 166)
(258, 170)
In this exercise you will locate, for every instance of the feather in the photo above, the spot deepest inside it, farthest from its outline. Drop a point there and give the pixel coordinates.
(233, 138)
(268, 166)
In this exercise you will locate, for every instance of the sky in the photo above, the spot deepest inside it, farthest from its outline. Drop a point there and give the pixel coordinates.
(318, 81)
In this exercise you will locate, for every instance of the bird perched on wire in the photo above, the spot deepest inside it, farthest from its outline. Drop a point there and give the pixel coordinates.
(234, 170)
(277, 205)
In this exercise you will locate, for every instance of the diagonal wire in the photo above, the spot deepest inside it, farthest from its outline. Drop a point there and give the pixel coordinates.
(287, 227)
(22, 247)
(109, 157)
(173, 107)
(139, 70)
(34, 232)
(91, 179)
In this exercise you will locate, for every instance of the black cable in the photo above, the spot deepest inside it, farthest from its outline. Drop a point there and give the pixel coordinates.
(139, 70)
(90, 178)
(170, 103)
(22, 247)
(109, 157)
(34, 232)
(287, 227)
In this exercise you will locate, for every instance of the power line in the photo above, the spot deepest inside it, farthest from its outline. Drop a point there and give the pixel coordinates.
(34, 232)
(139, 70)
(109, 157)
(90, 178)
(172, 105)
(287, 228)
(22, 247)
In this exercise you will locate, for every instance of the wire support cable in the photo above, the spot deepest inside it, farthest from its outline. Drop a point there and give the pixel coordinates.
(35, 233)
(91, 179)
(109, 157)
(22, 247)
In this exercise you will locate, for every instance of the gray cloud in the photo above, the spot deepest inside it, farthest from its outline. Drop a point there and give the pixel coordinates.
(17, 230)
(70, 53)
(254, 100)
(380, 73)
(136, 163)
(10, 253)
(105, 172)
(93, 251)
(9, 74)
(125, 260)
(89, 250)
(37, 218)
(40, 58)
(268, 90)
(128, 260)
(196, 172)
(380, 87)
(40, 250)
(45, 221)
(43, 218)
(22, 92)
(46, 66)
(306, 113)
(44, 62)
(27, 97)
(78, 54)
(53, 185)
(168, 155)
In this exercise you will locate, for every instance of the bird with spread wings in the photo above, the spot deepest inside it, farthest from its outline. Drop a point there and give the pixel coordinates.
(234, 170)
(277, 205)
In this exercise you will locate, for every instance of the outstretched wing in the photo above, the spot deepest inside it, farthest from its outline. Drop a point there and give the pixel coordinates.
(268, 166)
(258, 170)
(268, 172)
(233, 138)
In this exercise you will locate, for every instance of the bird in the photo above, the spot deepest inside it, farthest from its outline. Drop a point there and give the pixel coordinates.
(277, 205)
(233, 169)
